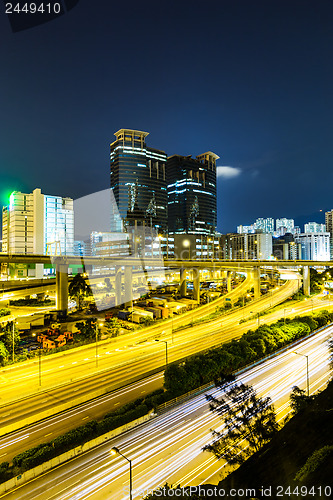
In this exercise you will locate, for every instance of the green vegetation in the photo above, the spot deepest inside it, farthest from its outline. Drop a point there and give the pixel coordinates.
(300, 454)
(8, 335)
(214, 364)
(77, 437)
(31, 302)
(299, 400)
(249, 422)
(5, 312)
(87, 329)
(78, 290)
(180, 378)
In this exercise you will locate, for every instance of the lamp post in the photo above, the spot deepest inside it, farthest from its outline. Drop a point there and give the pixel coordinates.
(116, 451)
(307, 370)
(166, 350)
(39, 362)
(39, 366)
(252, 312)
(96, 332)
(13, 341)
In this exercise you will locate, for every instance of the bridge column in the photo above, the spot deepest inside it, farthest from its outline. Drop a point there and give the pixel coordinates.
(62, 289)
(256, 278)
(182, 282)
(306, 280)
(196, 284)
(229, 287)
(128, 279)
(117, 285)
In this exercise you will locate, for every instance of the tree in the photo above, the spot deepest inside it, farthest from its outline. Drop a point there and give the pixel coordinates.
(299, 400)
(3, 354)
(112, 327)
(79, 289)
(6, 336)
(108, 284)
(249, 422)
(88, 328)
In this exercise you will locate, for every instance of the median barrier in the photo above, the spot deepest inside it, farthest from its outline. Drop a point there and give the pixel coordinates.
(70, 454)
(87, 397)
(71, 403)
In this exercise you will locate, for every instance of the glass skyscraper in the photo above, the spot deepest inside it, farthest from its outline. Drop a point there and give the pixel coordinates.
(192, 194)
(138, 182)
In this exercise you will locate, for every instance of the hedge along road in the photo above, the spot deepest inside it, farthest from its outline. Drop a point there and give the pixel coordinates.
(129, 363)
(50, 428)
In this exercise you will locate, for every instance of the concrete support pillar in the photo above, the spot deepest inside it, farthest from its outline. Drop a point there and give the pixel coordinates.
(128, 279)
(117, 285)
(306, 280)
(229, 276)
(182, 282)
(62, 289)
(256, 279)
(196, 284)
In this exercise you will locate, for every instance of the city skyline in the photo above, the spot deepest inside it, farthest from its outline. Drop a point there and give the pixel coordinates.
(247, 81)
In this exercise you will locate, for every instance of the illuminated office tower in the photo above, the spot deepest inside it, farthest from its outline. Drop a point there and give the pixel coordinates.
(138, 183)
(192, 194)
(35, 223)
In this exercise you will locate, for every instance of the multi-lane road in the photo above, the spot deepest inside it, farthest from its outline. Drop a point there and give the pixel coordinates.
(48, 429)
(168, 448)
(119, 363)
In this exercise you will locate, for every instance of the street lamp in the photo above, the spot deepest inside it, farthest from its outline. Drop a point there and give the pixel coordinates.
(252, 312)
(116, 451)
(39, 362)
(307, 370)
(96, 332)
(166, 350)
(13, 341)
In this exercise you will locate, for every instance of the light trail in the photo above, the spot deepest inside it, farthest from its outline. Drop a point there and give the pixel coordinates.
(168, 448)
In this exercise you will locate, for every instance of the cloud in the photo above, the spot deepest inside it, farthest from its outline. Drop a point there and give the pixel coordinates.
(227, 172)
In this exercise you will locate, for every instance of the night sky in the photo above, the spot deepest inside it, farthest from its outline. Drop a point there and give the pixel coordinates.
(249, 80)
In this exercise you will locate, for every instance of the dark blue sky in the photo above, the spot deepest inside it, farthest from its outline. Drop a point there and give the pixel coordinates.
(249, 80)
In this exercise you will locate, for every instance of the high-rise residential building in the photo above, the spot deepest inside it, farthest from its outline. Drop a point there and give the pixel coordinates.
(284, 226)
(246, 229)
(314, 227)
(191, 184)
(315, 246)
(138, 182)
(329, 228)
(265, 225)
(35, 223)
(247, 246)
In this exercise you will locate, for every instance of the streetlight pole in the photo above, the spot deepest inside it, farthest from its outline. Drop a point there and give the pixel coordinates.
(39, 366)
(166, 350)
(96, 343)
(13, 341)
(116, 451)
(96, 332)
(307, 370)
(252, 312)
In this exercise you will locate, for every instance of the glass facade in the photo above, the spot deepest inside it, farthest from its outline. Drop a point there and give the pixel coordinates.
(192, 194)
(58, 225)
(138, 182)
